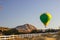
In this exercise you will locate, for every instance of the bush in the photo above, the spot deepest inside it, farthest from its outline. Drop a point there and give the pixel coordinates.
(34, 31)
(10, 32)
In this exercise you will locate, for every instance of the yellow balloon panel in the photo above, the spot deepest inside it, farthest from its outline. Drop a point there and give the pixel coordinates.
(49, 16)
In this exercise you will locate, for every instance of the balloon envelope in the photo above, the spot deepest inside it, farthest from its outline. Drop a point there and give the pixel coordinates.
(45, 18)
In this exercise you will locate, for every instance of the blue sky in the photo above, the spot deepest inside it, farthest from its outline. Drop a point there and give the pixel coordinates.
(19, 12)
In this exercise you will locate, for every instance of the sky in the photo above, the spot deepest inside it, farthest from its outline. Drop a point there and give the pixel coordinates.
(19, 12)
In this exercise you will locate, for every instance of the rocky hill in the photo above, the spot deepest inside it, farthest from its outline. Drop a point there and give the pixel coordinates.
(26, 28)
(4, 28)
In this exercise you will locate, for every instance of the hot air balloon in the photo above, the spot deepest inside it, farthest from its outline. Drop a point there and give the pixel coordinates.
(45, 18)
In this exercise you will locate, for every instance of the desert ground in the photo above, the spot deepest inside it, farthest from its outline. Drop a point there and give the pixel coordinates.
(47, 36)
